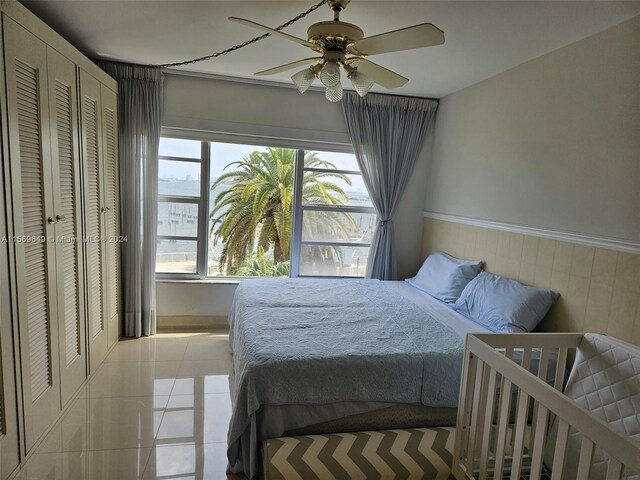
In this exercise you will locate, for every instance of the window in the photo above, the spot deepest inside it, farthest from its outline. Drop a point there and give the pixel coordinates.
(181, 206)
(228, 209)
(334, 217)
(242, 238)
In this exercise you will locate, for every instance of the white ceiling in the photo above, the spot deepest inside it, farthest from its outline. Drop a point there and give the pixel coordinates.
(483, 38)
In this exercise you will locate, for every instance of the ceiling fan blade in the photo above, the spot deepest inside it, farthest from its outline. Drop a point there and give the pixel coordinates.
(272, 31)
(378, 74)
(288, 66)
(418, 36)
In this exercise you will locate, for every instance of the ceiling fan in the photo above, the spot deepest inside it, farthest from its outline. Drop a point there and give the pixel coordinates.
(343, 45)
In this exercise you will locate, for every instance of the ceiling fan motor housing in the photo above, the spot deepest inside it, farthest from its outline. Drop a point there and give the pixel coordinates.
(334, 35)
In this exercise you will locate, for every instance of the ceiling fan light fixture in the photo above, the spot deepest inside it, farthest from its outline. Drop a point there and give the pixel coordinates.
(360, 82)
(330, 74)
(341, 45)
(334, 93)
(303, 79)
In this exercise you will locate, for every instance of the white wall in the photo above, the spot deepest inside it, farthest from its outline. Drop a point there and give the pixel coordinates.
(213, 105)
(193, 299)
(553, 143)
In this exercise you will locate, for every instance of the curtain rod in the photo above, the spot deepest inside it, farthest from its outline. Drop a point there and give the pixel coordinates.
(268, 83)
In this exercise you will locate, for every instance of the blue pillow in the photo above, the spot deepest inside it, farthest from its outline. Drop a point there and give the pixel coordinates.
(504, 305)
(444, 277)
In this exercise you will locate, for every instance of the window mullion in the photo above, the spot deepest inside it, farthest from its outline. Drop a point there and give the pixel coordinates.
(296, 228)
(338, 208)
(203, 211)
(177, 199)
(329, 243)
(179, 159)
(332, 170)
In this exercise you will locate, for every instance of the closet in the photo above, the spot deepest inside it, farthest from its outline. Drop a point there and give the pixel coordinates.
(100, 159)
(60, 171)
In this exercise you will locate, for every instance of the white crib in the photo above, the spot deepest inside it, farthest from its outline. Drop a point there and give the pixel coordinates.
(588, 429)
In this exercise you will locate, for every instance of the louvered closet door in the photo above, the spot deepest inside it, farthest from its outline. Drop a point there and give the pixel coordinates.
(27, 103)
(9, 456)
(111, 214)
(65, 155)
(90, 120)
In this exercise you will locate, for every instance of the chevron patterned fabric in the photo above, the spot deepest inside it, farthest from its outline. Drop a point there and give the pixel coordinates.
(420, 453)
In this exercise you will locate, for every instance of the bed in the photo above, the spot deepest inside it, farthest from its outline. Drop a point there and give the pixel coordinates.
(319, 356)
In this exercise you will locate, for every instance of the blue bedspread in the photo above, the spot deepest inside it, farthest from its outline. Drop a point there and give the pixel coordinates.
(308, 341)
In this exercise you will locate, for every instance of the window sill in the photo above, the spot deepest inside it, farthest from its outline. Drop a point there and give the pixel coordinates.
(214, 281)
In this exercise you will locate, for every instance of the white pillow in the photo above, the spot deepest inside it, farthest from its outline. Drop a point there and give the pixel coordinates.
(444, 277)
(504, 305)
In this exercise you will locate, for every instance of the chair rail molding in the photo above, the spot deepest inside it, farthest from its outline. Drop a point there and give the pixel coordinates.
(571, 237)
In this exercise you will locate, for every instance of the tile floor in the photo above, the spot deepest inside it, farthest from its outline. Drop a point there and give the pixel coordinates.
(158, 407)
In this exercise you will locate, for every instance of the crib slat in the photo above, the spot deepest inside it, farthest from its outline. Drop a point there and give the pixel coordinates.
(475, 415)
(488, 421)
(503, 421)
(482, 411)
(559, 451)
(517, 433)
(586, 455)
(538, 441)
(561, 365)
(543, 368)
(543, 363)
(464, 413)
(614, 470)
(518, 442)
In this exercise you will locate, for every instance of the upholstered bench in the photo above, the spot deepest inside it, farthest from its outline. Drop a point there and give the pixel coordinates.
(418, 453)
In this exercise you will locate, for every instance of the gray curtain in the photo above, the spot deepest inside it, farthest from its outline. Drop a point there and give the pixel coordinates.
(388, 133)
(139, 119)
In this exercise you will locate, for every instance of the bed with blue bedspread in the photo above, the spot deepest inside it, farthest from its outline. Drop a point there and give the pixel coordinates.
(311, 351)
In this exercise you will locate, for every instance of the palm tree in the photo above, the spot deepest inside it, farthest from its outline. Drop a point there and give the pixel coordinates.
(256, 205)
(258, 264)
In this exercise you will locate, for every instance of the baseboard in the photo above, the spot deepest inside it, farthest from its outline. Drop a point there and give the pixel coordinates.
(191, 322)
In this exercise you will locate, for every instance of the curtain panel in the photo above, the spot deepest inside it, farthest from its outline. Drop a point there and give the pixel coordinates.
(387, 133)
(140, 103)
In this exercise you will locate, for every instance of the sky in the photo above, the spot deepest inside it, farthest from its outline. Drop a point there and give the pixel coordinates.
(224, 153)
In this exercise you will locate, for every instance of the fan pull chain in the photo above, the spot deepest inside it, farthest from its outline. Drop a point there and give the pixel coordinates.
(240, 45)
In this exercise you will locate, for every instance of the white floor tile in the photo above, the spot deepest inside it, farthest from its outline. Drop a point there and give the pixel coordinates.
(81, 437)
(195, 419)
(216, 364)
(207, 347)
(106, 410)
(136, 379)
(194, 462)
(162, 399)
(149, 350)
(121, 464)
(198, 385)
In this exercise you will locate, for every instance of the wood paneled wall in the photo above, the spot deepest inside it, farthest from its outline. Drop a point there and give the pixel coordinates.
(599, 288)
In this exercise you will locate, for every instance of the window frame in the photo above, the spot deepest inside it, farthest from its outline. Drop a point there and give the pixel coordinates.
(202, 252)
(299, 208)
(201, 202)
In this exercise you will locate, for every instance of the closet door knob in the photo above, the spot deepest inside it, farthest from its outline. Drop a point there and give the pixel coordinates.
(103, 209)
(51, 220)
(60, 218)
(108, 209)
